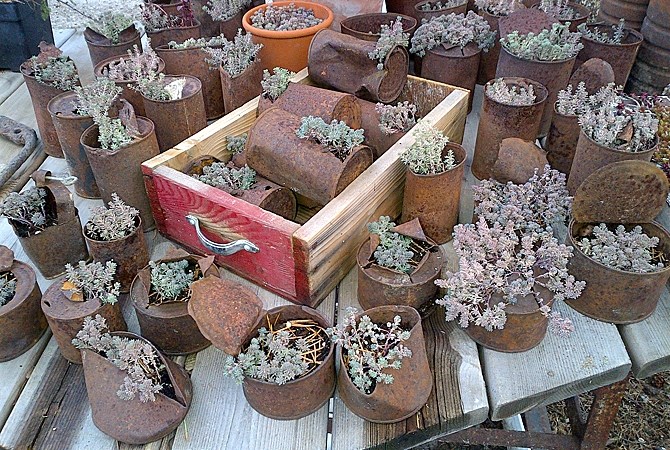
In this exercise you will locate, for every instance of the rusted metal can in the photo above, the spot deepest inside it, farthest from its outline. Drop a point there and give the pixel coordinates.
(304, 100)
(368, 26)
(66, 317)
(435, 199)
(422, 15)
(412, 383)
(553, 75)
(229, 27)
(120, 170)
(168, 325)
(192, 61)
(179, 35)
(133, 421)
(241, 88)
(561, 141)
(69, 126)
(620, 56)
(582, 14)
(177, 120)
(591, 156)
(499, 121)
(169, 6)
(651, 72)
(405, 7)
(276, 153)
(133, 96)
(633, 11)
(22, 322)
(375, 138)
(454, 66)
(130, 254)
(101, 48)
(489, 60)
(613, 295)
(342, 62)
(208, 26)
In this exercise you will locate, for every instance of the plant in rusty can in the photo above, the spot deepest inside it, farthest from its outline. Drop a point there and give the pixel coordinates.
(390, 37)
(571, 103)
(156, 88)
(116, 221)
(27, 211)
(228, 178)
(453, 30)
(234, 56)
(170, 281)
(53, 68)
(614, 37)
(559, 9)
(197, 43)
(337, 136)
(274, 85)
(424, 156)
(110, 25)
(396, 118)
(510, 95)
(438, 6)
(91, 281)
(222, 10)
(548, 45)
(394, 250)
(136, 64)
(498, 7)
(7, 287)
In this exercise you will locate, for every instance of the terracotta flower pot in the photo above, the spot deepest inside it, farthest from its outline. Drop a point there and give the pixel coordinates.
(69, 126)
(241, 88)
(613, 295)
(22, 322)
(426, 15)
(499, 121)
(342, 62)
(287, 49)
(561, 141)
(553, 75)
(229, 27)
(177, 120)
(435, 199)
(179, 35)
(413, 382)
(130, 254)
(405, 7)
(120, 170)
(101, 48)
(66, 317)
(375, 138)
(276, 153)
(591, 156)
(133, 96)
(454, 66)
(192, 61)
(168, 325)
(132, 421)
(368, 26)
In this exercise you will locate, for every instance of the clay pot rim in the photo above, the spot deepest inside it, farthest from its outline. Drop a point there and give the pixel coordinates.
(121, 43)
(142, 138)
(138, 226)
(638, 36)
(454, 146)
(564, 115)
(361, 17)
(576, 248)
(423, 2)
(536, 85)
(97, 70)
(319, 11)
(190, 27)
(557, 61)
(614, 150)
(189, 78)
(59, 98)
(24, 275)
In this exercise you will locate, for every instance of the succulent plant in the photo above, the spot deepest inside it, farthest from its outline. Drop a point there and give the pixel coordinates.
(156, 88)
(390, 37)
(453, 30)
(230, 179)
(337, 136)
(284, 18)
(393, 251)
(498, 7)
(112, 133)
(171, 280)
(136, 65)
(594, 8)
(396, 119)
(234, 56)
(512, 95)
(560, 9)
(154, 18)
(53, 68)
(116, 221)
(202, 42)
(235, 144)
(28, 210)
(93, 281)
(548, 45)
(222, 10)
(274, 85)
(572, 103)
(614, 37)
(95, 99)
(7, 288)
(424, 156)
(440, 5)
(110, 25)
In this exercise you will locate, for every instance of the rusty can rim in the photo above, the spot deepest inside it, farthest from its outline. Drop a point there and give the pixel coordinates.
(635, 33)
(138, 226)
(97, 70)
(651, 149)
(535, 84)
(450, 145)
(86, 34)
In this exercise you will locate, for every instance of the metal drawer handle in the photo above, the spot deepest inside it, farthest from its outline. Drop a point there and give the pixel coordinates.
(222, 249)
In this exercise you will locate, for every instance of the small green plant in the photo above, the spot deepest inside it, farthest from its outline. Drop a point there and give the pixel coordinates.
(27, 209)
(235, 144)
(498, 7)
(439, 6)
(371, 351)
(394, 250)
(556, 44)
(95, 99)
(53, 68)
(512, 95)
(93, 281)
(222, 10)
(234, 56)
(274, 85)
(390, 37)
(202, 42)
(337, 136)
(112, 134)
(171, 281)
(453, 30)
(593, 6)
(154, 18)
(284, 18)
(116, 221)
(424, 156)
(396, 119)
(156, 88)
(136, 65)
(110, 25)
(227, 178)
(560, 9)
(7, 288)
(571, 103)
(614, 37)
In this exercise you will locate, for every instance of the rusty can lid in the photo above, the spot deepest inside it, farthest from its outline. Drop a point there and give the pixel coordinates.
(623, 192)
(225, 311)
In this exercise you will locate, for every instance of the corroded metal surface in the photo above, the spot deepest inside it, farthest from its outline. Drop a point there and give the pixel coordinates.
(405, 7)
(455, 66)
(594, 73)
(368, 26)
(19, 134)
(518, 161)
(582, 15)
(243, 87)
(179, 35)
(530, 20)
(561, 141)
(633, 11)
(229, 27)
(379, 141)
(100, 48)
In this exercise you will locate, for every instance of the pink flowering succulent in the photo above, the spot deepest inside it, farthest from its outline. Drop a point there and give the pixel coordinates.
(498, 266)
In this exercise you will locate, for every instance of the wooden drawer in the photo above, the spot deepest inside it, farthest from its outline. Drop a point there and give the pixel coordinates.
(302, 260)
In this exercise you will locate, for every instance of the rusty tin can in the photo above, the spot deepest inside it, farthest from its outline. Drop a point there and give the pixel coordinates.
(192, 61)
(435, 199)
(405, 7)
(412, 383)
(69, 126)
(66, 317)
(169, 6)
(208, 26)
(368, 26)
(177, 120)
(499, 121)
(633, 11)
(342, 62)
(426, 15)
(241, 88)
(613, 295)
(591, 156)
(581, 11)
(120, 170)
(375, 138)
(304, 100)
(22, 322)
(179, 35)
(276, 153)
(133, 421)
(553, 75)
(489, 60)
(229, 27)
(101, 48)
(561, 141)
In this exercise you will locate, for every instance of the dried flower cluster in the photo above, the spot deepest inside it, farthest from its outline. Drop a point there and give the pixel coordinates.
(7, 288)
(171, 280)
(498, 7)
(512, 95)
(370, 350)
(394, 250)
(57, 71)
(110, 25)
(615, 36)
(560, 9)
(222, 10)
(228, 178)
(154, 87)
(453, 30)
(137, 358)
(548, 45)
(136, 65)
(274, 85)
(93, 281)
(234, 56)
(396, 119)
(337, 136)
(573, 103)
(116, 221)
(390, 37)
(235, 144)
(498, 267)
(284, 18)
(439, 6)
(27, 209)
(631, 251)
(424, 156)
(202, 42)
(543, 201)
